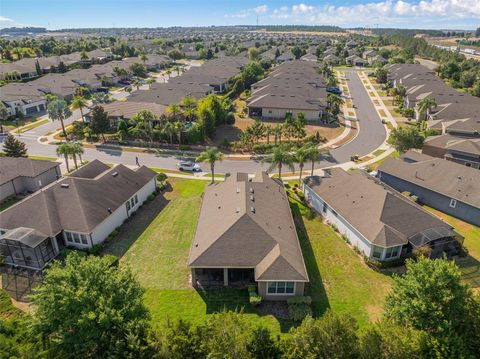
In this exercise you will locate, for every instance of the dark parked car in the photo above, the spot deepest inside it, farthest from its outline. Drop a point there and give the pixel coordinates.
(334, 90)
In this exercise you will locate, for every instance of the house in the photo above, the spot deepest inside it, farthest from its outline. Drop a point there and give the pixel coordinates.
(245, 233)
(459, 149)
(24, 175)
(78, 211)
(126, 110)
(331, 59)
(372, 60)
(378, 221)
(294, 87)
(355, 60)
(23, 98)
(444, 185)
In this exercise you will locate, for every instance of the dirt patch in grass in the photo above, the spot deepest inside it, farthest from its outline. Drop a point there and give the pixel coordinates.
(382, 113)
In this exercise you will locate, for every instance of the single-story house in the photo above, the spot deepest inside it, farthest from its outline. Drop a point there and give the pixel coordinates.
(24, 175)
(78, 211)
(444, 185)
(128, 109)
(246, 234)
(355, 60)
(459, 149)
(23, 98)
(380, 222)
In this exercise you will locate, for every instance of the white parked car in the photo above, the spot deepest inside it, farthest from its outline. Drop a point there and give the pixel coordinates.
(188, 166)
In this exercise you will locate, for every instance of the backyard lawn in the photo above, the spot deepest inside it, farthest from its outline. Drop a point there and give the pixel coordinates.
(470, 266)
(156, 244)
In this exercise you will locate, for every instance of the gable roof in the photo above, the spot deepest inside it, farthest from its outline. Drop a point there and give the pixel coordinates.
(383, 216)
(445, 177)
(11, 168)
(248, 223)
(77, 203)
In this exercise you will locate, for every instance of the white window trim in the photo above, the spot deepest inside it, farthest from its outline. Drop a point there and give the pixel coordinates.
(453, 203)
(294, 287)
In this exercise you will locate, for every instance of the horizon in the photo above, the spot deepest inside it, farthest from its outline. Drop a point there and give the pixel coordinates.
(409, 14)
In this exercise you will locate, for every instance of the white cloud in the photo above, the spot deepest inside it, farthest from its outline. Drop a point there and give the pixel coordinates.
(7, 22)
(385, 13)
(259, 10)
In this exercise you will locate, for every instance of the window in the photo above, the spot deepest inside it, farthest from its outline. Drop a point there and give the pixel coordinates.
(128, 205)
(453, 203)
(132, 202)
(392, 252)
(377, 252)
(83, 238)
(281, 288)
(68, 237)
(136, 199)
(325, 207)
(76, 237)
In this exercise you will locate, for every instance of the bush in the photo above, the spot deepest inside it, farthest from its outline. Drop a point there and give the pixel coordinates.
(67, 251)
(184, 147)
(95, 249)
(255, 300)
(150, 197)
(230, 118)
(161, 177)
(112, 259)
(299, 307)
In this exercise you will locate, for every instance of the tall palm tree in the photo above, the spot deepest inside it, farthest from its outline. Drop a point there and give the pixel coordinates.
(315, 154)
(79, 102)
(150, 81)
(280, 157)
(144, 58)
(189, 104)
(169, 131)
(174, 110)
(425, 106)
(334, 102)
(76, 150)
(179, 127)
(399, 93)
(301, 156)
(277, 132)
(63, 149)
(211, 155)
(58, 110)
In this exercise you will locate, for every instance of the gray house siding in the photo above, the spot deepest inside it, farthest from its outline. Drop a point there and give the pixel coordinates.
(29, 184)
(433, 199)
(262, 291)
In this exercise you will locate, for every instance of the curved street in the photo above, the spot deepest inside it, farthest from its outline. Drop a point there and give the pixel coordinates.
(370, 136)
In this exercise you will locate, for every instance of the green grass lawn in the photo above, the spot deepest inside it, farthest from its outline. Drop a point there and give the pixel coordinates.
(339, 279)
(31, 126)
(7, 310)
(469, 266)
(43, 158)
(156, 243)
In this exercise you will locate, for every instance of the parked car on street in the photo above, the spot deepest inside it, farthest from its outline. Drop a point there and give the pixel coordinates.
(334, 90)
(188, 166)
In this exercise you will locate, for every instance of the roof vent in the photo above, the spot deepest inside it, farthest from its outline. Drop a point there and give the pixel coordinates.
(238, 190)
(237, 210)
(115, 174)
(251, 190)
(64, 185)
(252, 209)
(109, 210)
(252, 198)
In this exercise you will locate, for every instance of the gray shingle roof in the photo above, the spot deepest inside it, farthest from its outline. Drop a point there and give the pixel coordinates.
(230, 234)
(11, 168)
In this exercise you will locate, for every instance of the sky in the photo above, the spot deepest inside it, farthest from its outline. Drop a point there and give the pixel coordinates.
(419, 14)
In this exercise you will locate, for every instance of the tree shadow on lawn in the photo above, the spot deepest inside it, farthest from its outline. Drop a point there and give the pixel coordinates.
(235, 299)
(131, 230)
(315, 287)
(470, 268)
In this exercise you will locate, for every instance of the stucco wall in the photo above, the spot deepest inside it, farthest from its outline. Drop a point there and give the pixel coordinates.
(120, 214)
(433, 199)
(281, 113)
(6, 190)
(28, 184)
(354, 237)
(262, 291)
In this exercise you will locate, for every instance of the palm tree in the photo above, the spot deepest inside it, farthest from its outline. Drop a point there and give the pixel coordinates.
(150, 81)
(174, 110)
(63, 149)
(301, 156)
(179, 127)
(334, 102)
(144, 58)
(76, 150)
(280, 157)
(315, 154)
(136, 83)
(189, 103)
(169, 131)
(58, 110)
(277, 132)
(425, 106)
(79, 102)
(399, 93)
(211, 155)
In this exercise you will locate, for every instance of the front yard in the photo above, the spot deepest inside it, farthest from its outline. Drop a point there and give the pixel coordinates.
(156, 244)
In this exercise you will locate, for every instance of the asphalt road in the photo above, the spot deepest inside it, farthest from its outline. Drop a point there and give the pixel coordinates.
(371, 135)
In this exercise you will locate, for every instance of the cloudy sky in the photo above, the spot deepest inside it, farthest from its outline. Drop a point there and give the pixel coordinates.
(55, 14)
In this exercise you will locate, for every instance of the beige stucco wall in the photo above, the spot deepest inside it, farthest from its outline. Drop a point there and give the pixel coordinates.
(262, 291)
(277, 113)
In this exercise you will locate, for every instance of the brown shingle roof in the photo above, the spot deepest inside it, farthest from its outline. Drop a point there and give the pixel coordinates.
(11, 168)
(246, 223)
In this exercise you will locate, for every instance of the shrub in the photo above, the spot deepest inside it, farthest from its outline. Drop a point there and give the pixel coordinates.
(161, 177)
(67, 251)
(230, 118)
(184, 147)
(95, 249)
(112, 259)
(253, 297)
(311, 214)
(151, 197)
(299, 307)
(334, 227)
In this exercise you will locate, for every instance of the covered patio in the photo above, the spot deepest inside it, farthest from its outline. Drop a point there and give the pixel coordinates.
(442, 241)
(222, 277)
(27, 248)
